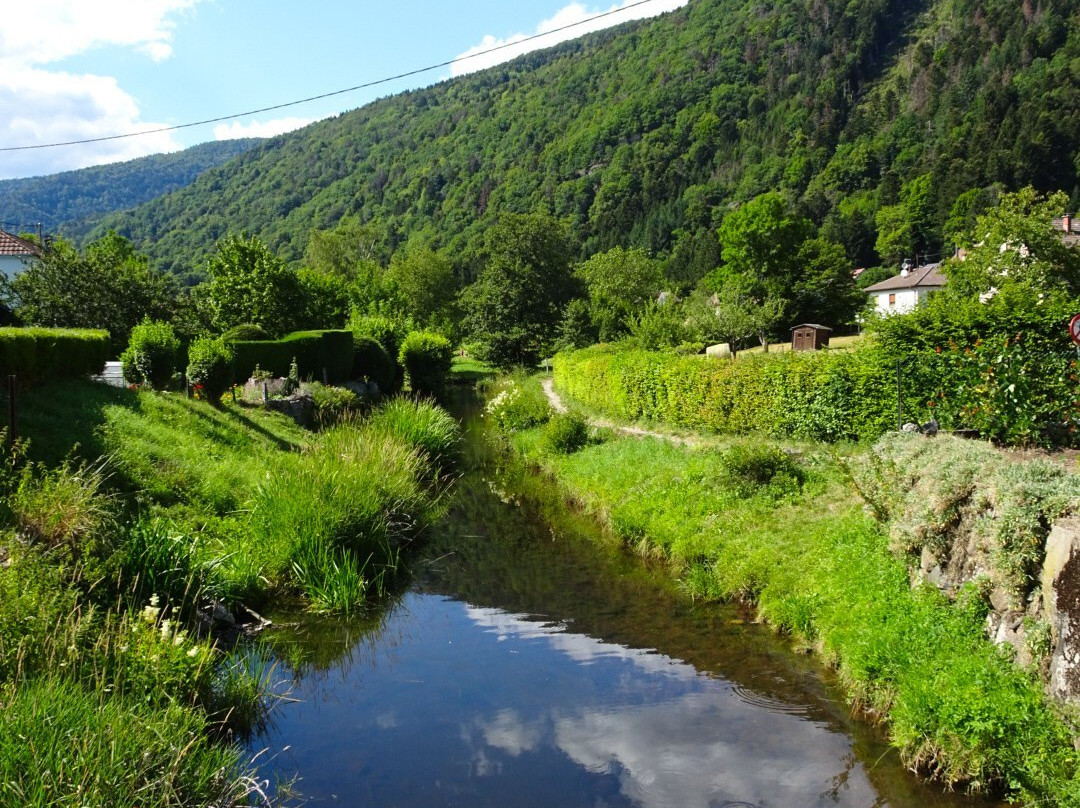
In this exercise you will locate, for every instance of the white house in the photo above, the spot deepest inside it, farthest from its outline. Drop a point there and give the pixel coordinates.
(902, 293)
(15, 254)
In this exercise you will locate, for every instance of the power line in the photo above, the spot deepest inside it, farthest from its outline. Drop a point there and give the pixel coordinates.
(363, 86)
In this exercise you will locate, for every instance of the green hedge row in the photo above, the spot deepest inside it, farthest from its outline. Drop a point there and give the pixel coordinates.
(39, 354)
(822, 395)
(313, 351)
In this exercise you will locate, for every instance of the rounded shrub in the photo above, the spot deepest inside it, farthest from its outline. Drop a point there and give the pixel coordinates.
(246, 332)
(209, 367)
(426, 357)
(150, 357)
(566, 432)
(373, 363)
(750, 469)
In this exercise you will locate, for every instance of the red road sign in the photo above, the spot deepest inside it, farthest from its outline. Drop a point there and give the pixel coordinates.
(1074, 329)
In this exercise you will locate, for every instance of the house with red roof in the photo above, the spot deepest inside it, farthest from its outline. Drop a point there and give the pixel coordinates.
(16, 254)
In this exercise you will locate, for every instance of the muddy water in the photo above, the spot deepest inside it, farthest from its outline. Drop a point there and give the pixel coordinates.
(530, 664)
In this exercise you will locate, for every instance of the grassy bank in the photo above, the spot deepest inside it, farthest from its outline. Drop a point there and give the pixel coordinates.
(779, 526)
(128, 521)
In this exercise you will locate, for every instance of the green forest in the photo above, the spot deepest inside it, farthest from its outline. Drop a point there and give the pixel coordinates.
(73, 201)
(888, 124)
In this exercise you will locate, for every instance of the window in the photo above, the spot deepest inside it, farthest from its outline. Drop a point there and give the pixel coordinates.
(892, 299)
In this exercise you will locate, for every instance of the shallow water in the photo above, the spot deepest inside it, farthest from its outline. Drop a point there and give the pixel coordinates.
(531, 664)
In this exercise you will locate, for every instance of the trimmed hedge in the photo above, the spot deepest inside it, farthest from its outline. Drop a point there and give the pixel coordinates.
(821, 395)
(372, 362)
(1004, 390)
(313, 350)
(38, 354)
(426, 357)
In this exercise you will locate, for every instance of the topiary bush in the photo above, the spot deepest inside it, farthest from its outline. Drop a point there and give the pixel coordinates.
(426, 358)
(248, 332)
(150, 357)
(372, 363)
(209, 369)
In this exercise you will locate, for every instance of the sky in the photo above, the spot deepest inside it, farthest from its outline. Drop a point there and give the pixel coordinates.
(81, 69)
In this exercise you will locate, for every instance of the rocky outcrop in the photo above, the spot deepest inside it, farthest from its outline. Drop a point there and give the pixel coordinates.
(1061, 607)
(966, 515)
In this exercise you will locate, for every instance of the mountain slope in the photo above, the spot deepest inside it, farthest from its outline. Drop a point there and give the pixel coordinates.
(644, 134)
(74, 200)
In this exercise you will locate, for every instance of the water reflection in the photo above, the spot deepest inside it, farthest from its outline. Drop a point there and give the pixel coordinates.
(484, 707)
(530, 665)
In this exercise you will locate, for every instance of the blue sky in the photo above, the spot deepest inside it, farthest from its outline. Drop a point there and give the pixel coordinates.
(76, 69)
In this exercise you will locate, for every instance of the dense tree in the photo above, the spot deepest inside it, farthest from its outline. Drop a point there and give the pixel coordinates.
(422, 283)
(515, 306)
(108, 285)
(348, 250)
(619, 282)
(773, 259)
(250, 284)
(325, 300)
(638, 135)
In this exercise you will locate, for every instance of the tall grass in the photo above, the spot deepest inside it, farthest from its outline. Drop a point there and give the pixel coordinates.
(110, 694)
(61, 744)
(337, 509)
(421, 424)
(783, 532)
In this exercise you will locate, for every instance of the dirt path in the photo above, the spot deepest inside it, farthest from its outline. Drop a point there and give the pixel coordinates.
(636, 431)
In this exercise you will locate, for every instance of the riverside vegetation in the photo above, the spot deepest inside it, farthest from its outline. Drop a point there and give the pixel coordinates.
(129, 520)
(778, 525)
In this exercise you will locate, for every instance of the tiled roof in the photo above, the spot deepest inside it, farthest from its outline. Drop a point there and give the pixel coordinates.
(927, 276)
(13, 245)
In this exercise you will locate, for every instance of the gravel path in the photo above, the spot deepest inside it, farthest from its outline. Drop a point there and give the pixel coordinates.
(636, 431)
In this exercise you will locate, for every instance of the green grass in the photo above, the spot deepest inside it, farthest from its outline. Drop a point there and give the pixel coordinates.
(469, 370)
(166, 505)
(783, 531)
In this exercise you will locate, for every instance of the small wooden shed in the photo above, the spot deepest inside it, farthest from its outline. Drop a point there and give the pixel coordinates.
(809, 337)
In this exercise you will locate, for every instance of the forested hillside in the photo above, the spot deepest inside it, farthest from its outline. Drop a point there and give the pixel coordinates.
(886, 121)
(74, 201)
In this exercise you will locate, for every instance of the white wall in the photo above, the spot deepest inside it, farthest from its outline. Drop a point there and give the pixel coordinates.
(905, 301)
(11, 265)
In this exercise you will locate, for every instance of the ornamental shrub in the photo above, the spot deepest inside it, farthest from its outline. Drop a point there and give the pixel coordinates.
(426, 358)
(249, 332)
(209, 367)
(151, 354)
(372, 363)
(331, 403)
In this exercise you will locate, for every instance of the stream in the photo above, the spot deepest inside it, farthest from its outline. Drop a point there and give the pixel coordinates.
(532, 663)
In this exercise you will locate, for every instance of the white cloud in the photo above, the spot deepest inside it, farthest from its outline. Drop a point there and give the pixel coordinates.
(467, 62)
(231, 131)
(39, 105)
(47, 31)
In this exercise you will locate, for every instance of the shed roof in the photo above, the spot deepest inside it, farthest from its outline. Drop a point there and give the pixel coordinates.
(13, 245)
(928, 276)
(811, 325)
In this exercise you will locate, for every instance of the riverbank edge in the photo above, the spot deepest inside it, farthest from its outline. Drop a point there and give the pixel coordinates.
(117, 602)
(1028, 756)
